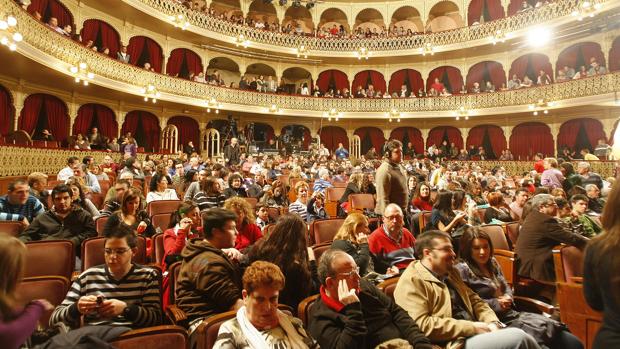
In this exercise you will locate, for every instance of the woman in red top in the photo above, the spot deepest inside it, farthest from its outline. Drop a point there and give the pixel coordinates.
(437, 86)
(184, 225)
(248, 231)
(422, 197)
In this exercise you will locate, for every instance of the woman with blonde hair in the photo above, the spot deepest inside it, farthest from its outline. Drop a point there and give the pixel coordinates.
(17, 323)
(352, 238)
(248, 231)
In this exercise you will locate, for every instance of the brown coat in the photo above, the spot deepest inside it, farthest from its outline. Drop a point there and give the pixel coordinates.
(427, 300)
(391, 186)
(537, 237)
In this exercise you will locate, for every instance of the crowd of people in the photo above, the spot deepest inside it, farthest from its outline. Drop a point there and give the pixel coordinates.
(450, 289)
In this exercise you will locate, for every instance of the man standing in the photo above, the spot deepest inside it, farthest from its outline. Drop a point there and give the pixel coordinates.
(189, 148)
(96, 140)
(341, 153)
(353, 313)
(122, 55)
(392, 244)
(18, 205)
(446, 310)
(392, 178)
(232, 152)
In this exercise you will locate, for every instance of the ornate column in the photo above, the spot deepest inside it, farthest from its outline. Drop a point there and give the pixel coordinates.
(555, 131)
(507, 132)
(18, 100)
(425, 132)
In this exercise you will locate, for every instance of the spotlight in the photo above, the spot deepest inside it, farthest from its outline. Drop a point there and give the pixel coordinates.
(296, 3)
(538, 36)
(283, 2)
(309, 5)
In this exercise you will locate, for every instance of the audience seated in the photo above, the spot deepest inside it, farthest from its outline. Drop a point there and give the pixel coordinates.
(392, 245)
(38, 183)
(235, 187)
(316, 207)
(158, 189)
(352, 238)
(132, 215)
(446, 310)
(497, 211)
(210, 194)
(300, 206)
(579, 221)
(595, 202)
(19, 205)
(67, 172)
(247, 231)
(118, 191)
(522, 195)
(78, 198)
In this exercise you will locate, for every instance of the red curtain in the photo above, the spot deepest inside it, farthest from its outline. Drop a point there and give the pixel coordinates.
(52, 8)
(531, 64)
(149, 125)
(95, 29)
(156, 54)
(57, 117)
(570, 130)
(135, 47)
(193, 61)
(413, 134)
(401, 77)
(188, 128)
(494, 9)
(370, 136)
(438, 134)
(332, 77)
(367, 77)
(496, 136)
(30, 113)
(332, 135)
(263, 132)
(580, 54)
(530, 138)
(180, 56)
(7, 111)
(139, 46)
(450, 76)
(487, 70)
(614, 55)
(96, 115)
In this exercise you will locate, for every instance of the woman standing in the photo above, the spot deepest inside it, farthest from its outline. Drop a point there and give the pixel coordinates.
(551, 177)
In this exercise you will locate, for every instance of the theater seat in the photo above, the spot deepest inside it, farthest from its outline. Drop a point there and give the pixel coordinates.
(568, 262)
(162, 206)
(158, 337)
(161, 221)
(512, 231)
(324, 230)
(388, 286)
(359, 202)
(50, 258)
(497, 235)
(320, 249)
(583, 321)
(92, 252)
(11, 228)
(252, 202)
(305, 307)
(274, 213)
(51, 288)
(425, 217)
(100, 225)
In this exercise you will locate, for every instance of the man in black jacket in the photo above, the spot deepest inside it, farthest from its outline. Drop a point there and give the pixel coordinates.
(63, 222)
(352, 313)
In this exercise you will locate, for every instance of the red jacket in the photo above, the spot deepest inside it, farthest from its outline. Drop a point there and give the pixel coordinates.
(249, 233)
(539, 166)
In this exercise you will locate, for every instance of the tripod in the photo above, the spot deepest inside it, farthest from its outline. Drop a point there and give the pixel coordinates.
(231, 130)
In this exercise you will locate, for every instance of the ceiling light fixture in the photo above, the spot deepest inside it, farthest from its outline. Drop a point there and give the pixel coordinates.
(81, 74)
(541, 106)
(586, 9)
(463, 112)
(393, 114)
(179, 21)
(240, 40)
(9, 36)
(332, 113)
(362, 52)
(150, 92)
(539, 36)
(212, 103)
(302, 50)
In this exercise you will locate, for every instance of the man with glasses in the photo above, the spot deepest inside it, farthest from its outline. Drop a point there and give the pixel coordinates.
(540, 232)
(391, 244)
(118, 293)
(353, 313)
(392, 178)
(448, 312)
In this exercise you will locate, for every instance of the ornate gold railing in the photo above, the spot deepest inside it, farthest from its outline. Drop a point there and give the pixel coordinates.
(130, 79)
(604, 168)
(383, 46)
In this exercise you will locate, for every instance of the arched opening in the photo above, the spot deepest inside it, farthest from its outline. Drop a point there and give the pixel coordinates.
(260, 134)
(410, 78)
(614, 55)
(369, 22)
(449, 134)
(449, 76)
(144, 127)
(530, 138)
(7, 111)
(294, 78)
(295, 137)
(96, 115)
(582, 133)
(411, 137)
(369, 77)
(142, 49)
(334, 18)
(489, 137)
(262, 15)
(444, 15)
(370, 137)
(183, 63)
(256, 70)
(226, 68)
(530, 64)
(580, 55)
(297, 18)
(332, 135)
(518, 6)
(44, 112)
(482, 11)
(52, 8)
(332, 79)
(486, 71)
(218, 124)
(188, 130)
(227, 10)
(102, 34)
(406, 21)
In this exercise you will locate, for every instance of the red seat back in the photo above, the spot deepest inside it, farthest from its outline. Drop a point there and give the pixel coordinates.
(158, 251)
(11, 228)
(51, 288)
(162, 206)
(100, 224)
(158, 337)
(161, 221)
(362, 201)
(568, 263)
(497, 235)
(324, 230)
(50, 258)
(92, 252)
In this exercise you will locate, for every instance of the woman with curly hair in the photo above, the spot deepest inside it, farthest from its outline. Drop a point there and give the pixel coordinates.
(275, 196)
(235, 187)
(210, 194)
(248, 231)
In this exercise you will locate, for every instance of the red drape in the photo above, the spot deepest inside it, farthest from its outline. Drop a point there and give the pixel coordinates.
(95, 28)
(446, 75)
(30, 114)
(263, 132)
(156, 53)
(570, 129)
(188, 128)
(580, 54)
(57, 117)
(366, 77)
(614, 55)
(496, 135)
(486, 70)
(530, 138)
(400, 78)
(96, 115)
(437, 134)
(193, 61)
(52, 8)
(178, 57)
(414, 135)
(531, 64)
(332, 135)
(376, 137)
(339, 79)
(149, 124)
(136, 49)
(7, 111)
(475, 10)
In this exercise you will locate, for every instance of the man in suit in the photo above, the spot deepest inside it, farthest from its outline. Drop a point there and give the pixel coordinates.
(540, 232)
(122, 55)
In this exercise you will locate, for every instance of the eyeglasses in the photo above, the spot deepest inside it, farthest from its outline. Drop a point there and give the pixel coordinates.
(354, 272)
(444, 249)
(116, 251)
(394, 217)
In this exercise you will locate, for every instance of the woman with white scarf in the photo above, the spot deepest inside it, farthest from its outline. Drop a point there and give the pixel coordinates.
(259, 324)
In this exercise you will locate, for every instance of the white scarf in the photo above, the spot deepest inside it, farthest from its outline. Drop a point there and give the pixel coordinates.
(256, 341)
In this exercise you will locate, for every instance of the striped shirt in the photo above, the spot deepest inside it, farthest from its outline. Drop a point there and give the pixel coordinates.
(299, 208)
(139, 289)
(32, 208)
(205, 202)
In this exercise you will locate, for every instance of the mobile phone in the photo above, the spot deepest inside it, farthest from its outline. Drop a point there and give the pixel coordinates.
(100, 300)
